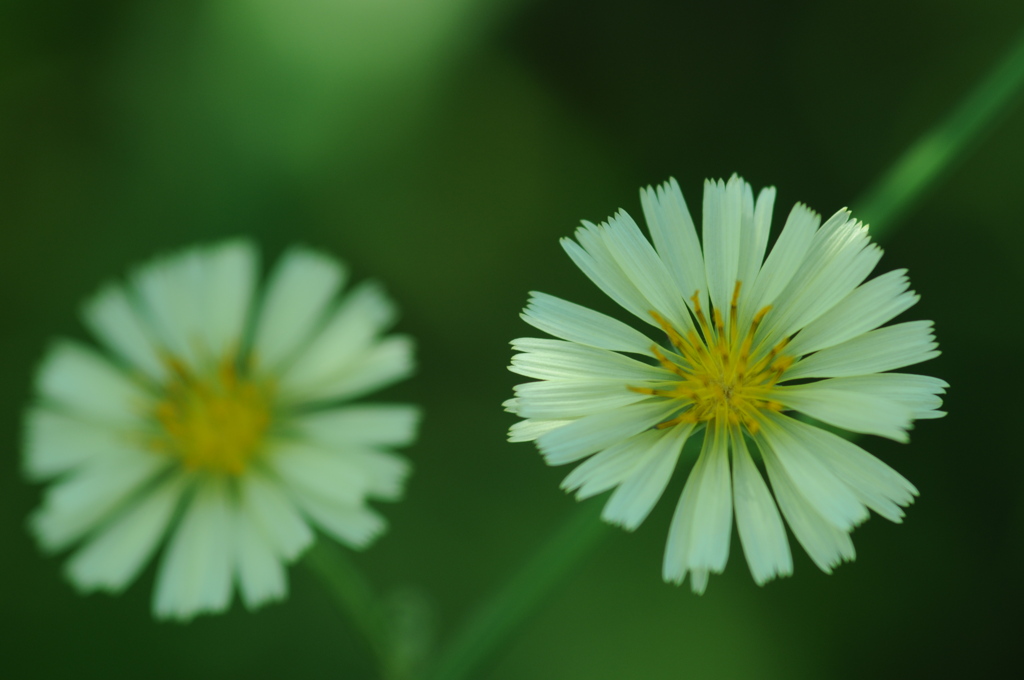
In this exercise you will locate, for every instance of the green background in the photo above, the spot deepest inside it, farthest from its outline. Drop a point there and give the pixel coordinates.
(444, 146)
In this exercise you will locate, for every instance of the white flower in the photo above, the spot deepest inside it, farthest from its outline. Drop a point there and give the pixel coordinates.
(745, 336)
(214, 423)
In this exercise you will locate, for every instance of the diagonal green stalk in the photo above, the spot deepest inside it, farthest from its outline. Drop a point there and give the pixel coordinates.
(506, 610)
(933, 153)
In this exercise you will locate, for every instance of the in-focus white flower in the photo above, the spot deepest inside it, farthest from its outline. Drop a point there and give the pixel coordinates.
(747, 341)
(214, 422)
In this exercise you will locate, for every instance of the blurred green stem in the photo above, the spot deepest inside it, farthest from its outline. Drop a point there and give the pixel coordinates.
(354, 595)
(933, 153)
(507, 609)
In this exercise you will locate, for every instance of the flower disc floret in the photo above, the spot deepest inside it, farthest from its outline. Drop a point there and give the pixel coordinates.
(217, 422)
(721, 380)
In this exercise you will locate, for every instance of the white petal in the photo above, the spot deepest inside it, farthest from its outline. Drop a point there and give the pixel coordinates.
(349, 471)
(262, 500)
(597, 262)
(826, 544)
(865, 308)
(362, 424)
(701, 528)
(560, 399)
(298, 292)
(676, 563)
(229, 282)
(915, 392)
(117, 554)
(645, 270)
(56, 443)
(848, 409)
(83, 381)
(723, 208)
(876, 484)
(355, 526)
(879, 350)
(260, 573)
(384, 363)
(384, 471)
(195, 574)
(712, 519)
(699, 580)
(351, 332)
(675, 237)
(746, 267)
(829, 496)
(785, 258)
(528, 430)
(169, 289)
(112, 317)
(83, 501)
(630, 504)
(839, 259)
(556, 359)
(754, 240)
(588, 435)
(307, 469)
(609, 468)
(760, 527)
(579, 324)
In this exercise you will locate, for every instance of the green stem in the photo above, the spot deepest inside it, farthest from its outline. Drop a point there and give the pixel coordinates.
(353, 593)
(931, 155)
(498, 617)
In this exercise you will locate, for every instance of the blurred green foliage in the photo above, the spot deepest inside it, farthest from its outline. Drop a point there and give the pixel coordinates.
(444, 146)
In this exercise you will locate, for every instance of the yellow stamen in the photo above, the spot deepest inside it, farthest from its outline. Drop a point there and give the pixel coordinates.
(699, 313)
(734, 310)
(215, 422)
(717, 383)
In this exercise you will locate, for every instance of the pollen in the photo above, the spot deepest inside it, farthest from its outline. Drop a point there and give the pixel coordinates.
(216, 422)
(723, 380)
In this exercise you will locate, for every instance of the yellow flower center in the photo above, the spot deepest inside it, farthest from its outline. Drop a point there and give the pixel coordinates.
(214, 423)
(719, 379)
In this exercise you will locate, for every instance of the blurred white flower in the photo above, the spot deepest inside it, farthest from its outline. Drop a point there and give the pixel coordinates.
(214, 422)
(749, 340)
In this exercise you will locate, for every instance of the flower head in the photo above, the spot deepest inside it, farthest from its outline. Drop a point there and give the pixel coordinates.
(213, 420)
(744, 342)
